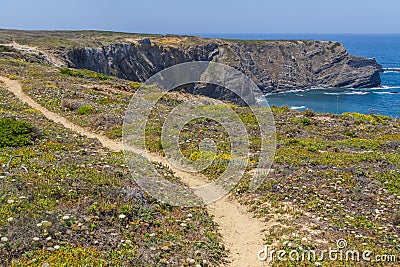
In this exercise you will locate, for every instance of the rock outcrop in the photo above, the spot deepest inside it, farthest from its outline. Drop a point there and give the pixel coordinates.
(29, 54)
(275, 66)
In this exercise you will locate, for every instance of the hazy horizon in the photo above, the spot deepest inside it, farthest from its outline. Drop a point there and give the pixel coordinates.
(182, 17)
(210, 33)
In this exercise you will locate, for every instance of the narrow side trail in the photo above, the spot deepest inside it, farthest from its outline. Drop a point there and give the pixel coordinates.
(242, 234)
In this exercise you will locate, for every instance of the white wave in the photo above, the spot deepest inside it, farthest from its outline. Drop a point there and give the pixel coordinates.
(289, 91)
(333, 93)
(347, 92)
(300, 107)
(380, 87)
(357, 93)
(387, 93)
(391, 71)
(385, 87)
(261, 99)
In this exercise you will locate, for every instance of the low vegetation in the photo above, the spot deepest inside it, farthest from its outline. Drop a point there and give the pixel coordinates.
(84, 74)
(85, 110)
(334, 177)
(67, 201)
(15, 133)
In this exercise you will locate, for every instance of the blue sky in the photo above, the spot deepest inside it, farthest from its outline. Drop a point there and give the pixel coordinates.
(205, 16)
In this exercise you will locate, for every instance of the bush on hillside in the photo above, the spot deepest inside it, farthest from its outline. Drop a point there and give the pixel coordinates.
(15, 133)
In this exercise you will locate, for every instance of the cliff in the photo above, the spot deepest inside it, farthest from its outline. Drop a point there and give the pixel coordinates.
(275, 66)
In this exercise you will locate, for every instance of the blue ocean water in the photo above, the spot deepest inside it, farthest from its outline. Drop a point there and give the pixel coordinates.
(385, 48)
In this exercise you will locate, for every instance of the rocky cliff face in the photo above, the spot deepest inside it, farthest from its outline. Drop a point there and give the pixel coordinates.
(274, 66)
(286, 65)
(136, 62)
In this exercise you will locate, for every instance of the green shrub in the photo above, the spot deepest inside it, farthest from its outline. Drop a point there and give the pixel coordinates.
(106, 101)
(6, 48)
(280, 110)
(72, 72)
(333, 47)
(84, 74)
(135, 85)
(304, 121)
(114, 132)
(350, 133)
(363, 118)
(12, 77)
(85, 110)
(312, 148)
(309, 113)
(15, 133)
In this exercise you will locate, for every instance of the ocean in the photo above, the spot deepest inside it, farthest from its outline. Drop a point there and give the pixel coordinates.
(385, 48)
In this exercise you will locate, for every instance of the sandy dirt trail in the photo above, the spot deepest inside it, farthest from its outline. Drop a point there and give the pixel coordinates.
(242, 233)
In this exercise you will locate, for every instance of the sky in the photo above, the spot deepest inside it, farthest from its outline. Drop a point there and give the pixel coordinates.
(205, 16)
